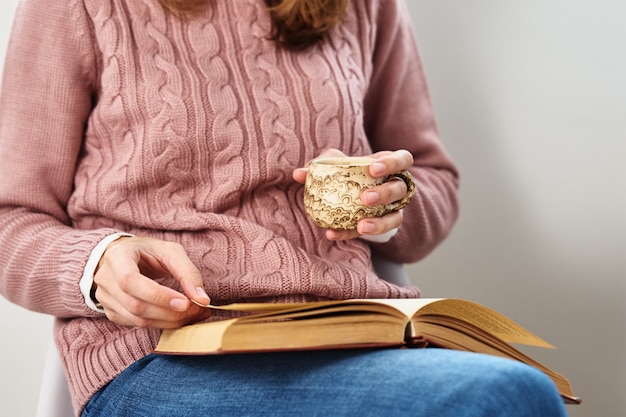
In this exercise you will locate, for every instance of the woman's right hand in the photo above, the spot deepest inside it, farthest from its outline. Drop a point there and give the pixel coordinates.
(127, 290)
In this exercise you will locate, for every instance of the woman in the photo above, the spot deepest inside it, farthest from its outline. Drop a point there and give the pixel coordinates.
(151, 158)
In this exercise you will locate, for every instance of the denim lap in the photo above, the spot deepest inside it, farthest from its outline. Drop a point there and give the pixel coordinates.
(385, 382)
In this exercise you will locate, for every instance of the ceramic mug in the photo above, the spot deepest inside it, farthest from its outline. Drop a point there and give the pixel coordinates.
(333, 187)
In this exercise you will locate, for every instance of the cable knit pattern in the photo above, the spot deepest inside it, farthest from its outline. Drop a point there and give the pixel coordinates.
(118, 116)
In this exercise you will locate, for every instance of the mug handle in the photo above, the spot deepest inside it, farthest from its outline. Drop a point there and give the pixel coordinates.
(405, 176)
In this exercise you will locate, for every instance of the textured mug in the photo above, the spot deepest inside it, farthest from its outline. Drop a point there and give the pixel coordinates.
(333, 187)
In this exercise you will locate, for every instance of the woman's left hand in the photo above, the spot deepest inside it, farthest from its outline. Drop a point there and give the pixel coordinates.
(386, 163)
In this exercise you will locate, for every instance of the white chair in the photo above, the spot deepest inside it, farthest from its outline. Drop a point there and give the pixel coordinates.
(54, 393)
(391, 271)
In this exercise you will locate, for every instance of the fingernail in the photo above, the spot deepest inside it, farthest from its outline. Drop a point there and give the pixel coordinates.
(366, 227)
(202, 294)
(377, 168)
(370, 197)
(178, 304)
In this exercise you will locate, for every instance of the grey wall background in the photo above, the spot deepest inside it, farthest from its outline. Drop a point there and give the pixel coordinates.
(531, 102)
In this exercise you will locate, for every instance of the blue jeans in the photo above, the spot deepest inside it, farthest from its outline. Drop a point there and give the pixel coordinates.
(381, 382)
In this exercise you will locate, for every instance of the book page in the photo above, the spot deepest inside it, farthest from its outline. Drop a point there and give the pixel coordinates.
(486, 319)
(473, 313)
(406, 306)
(194, 338)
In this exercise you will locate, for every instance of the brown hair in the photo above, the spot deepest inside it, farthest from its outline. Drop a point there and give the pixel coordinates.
(296, 24)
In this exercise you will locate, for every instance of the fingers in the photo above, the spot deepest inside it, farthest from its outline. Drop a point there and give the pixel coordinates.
(129, 294)
(388, 163)
(175, 260)
(387, 193)
(299, 175)
(341, 234)
(368, 227)
(380, 225)
(130, 310)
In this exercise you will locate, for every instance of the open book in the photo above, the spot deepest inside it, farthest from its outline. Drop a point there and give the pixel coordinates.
(442, 322)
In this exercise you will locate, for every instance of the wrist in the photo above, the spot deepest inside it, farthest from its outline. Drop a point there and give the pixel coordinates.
(87, 285)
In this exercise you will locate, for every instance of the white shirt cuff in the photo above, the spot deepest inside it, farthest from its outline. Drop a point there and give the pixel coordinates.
(86, 281)
(385, 237)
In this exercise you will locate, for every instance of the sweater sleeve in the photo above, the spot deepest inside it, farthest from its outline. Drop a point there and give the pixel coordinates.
(399, 115)
(46, 97)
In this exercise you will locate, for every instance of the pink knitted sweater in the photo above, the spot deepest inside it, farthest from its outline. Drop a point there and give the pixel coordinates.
(117, 116)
